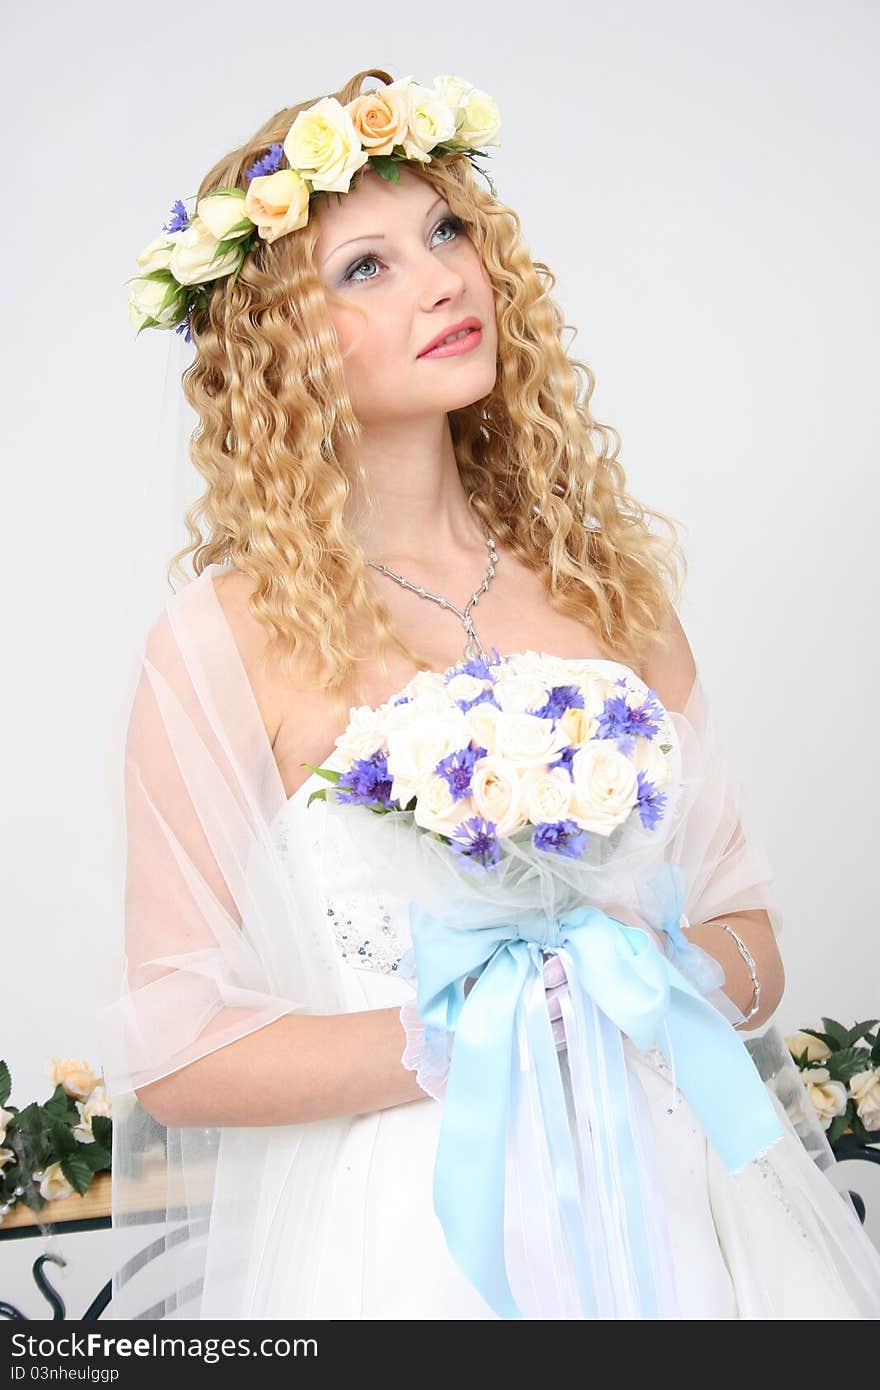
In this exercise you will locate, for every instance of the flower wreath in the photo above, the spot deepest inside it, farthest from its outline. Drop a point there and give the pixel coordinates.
(326, 145)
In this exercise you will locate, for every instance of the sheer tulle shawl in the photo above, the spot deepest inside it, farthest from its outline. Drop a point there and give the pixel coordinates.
(223, 935)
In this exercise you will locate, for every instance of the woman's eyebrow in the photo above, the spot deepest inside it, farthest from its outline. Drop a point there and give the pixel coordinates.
(375, 236)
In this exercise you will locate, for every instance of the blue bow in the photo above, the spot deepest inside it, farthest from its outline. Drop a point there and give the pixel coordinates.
(631, 984)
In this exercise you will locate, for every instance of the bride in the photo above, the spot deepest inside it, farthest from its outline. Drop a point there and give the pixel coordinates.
(400, 469)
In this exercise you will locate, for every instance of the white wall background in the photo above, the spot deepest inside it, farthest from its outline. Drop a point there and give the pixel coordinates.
(701, 177)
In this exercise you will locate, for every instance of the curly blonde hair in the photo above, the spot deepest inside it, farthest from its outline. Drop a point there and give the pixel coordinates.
(267, 384)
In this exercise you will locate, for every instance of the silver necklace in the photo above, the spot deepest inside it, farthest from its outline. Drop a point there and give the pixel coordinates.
(473, 646)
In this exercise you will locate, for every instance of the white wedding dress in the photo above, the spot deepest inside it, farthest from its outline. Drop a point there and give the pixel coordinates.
(775, 1240)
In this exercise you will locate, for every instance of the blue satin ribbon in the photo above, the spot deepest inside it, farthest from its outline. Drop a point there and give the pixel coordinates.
(643, 994)
(662, 901)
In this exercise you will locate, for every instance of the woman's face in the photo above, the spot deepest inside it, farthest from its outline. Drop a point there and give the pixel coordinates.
(395, 253)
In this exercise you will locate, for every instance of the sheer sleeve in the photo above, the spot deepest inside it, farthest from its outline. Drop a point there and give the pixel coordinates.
(203, 895)
(726, 867)
(222, 935)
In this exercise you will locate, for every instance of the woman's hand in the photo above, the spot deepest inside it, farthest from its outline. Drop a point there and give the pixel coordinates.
(432, 1071)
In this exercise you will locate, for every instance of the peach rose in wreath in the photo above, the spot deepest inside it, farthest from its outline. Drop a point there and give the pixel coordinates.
(278, 203)
(380, 119)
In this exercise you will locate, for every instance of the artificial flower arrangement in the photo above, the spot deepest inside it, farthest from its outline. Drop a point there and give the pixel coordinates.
(840, 1069)
(325, 146)
(54, 1149)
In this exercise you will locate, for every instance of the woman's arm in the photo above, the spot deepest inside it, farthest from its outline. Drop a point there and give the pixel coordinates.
(671, 670)
(300, 1067)
(757, 935)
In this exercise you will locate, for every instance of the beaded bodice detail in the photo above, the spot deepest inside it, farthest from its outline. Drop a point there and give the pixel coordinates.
(371, 928)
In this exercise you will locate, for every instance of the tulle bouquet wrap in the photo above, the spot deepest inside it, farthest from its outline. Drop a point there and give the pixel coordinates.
(530, 805)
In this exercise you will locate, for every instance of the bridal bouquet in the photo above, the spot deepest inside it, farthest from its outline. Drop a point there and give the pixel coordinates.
(525, 804)
(528, 750)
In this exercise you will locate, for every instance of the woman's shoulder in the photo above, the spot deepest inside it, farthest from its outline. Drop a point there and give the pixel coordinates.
(234, 589)
(284, 696)
(667, 663)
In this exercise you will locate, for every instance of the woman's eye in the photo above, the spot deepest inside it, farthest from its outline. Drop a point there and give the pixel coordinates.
(352, 273)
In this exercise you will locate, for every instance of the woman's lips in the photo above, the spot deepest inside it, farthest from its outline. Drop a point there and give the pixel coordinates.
(472, 339)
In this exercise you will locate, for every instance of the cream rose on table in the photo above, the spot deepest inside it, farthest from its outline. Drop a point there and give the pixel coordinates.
(323, 146)
(799, 1043)
(74, 1074)
(865, 1090)
(97, 1103)
(52, 1183)
(828, 1097)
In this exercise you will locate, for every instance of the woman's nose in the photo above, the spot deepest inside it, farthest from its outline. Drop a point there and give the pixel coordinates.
(440, 282)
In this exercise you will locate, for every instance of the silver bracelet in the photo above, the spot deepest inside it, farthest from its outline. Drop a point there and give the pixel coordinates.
(750, 962)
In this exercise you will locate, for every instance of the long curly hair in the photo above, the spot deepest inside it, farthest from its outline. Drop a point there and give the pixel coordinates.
(267, 384)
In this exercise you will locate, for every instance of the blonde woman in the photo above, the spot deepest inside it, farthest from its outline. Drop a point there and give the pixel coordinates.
(401, 469)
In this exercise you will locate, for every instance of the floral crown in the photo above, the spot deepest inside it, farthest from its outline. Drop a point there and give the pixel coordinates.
(324, 148)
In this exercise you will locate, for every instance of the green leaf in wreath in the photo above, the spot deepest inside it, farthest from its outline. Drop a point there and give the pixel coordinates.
(5, 1083)
(386, 166)
(77, 1172)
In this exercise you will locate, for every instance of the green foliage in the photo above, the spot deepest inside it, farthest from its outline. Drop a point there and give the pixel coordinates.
(40, 1135)
(851, 1050)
